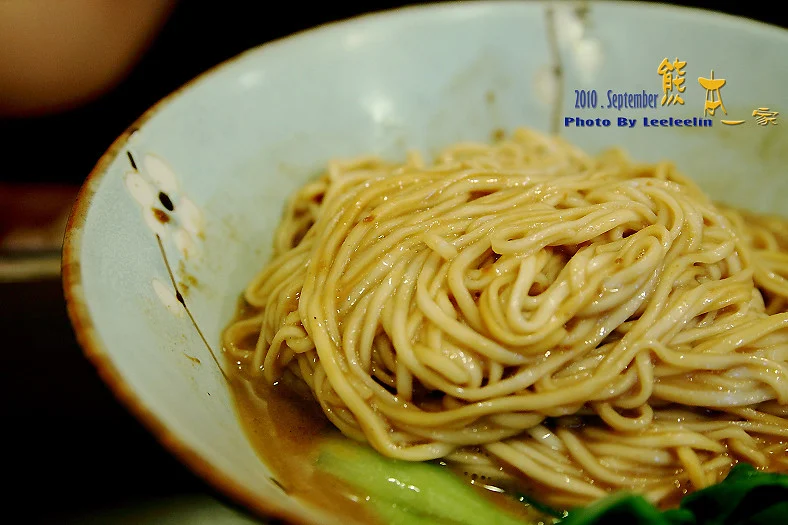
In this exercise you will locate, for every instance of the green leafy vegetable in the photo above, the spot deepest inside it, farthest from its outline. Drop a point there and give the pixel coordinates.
(746, 497)
(405, 492)
(412, 493)
(617, 509)
(771, 516)
(395, 514)
(736, 500)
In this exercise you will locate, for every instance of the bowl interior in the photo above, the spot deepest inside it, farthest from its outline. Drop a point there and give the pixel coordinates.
(227, 150)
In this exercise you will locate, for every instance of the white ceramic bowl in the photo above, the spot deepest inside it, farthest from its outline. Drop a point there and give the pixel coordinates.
(229, 147)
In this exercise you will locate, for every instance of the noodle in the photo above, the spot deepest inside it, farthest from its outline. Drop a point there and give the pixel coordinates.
(585, 324)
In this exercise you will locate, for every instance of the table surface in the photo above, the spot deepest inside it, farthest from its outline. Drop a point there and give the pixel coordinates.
(76, 455)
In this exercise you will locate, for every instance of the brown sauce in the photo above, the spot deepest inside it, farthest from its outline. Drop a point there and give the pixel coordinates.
(285, 431)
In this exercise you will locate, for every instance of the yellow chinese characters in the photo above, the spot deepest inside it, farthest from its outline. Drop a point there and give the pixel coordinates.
(714, 97)
(672, 79)
(672, 74)
(764, 117)
(712, 86)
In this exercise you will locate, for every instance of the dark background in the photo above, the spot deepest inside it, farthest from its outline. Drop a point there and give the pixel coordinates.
(71, 446)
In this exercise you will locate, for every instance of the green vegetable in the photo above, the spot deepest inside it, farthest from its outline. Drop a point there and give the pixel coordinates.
(773, 515)
(405, 492)
(680, 517)
(740, 499)
(623, 508)
(394, 514)
(413, 493)
(746, 497)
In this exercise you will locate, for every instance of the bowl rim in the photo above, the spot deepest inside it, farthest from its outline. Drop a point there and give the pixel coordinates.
(95, 350)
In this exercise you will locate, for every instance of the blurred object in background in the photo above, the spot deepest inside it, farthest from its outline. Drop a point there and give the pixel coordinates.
(33, 217)
(59, 55)
(32, 222)
(56, 57)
